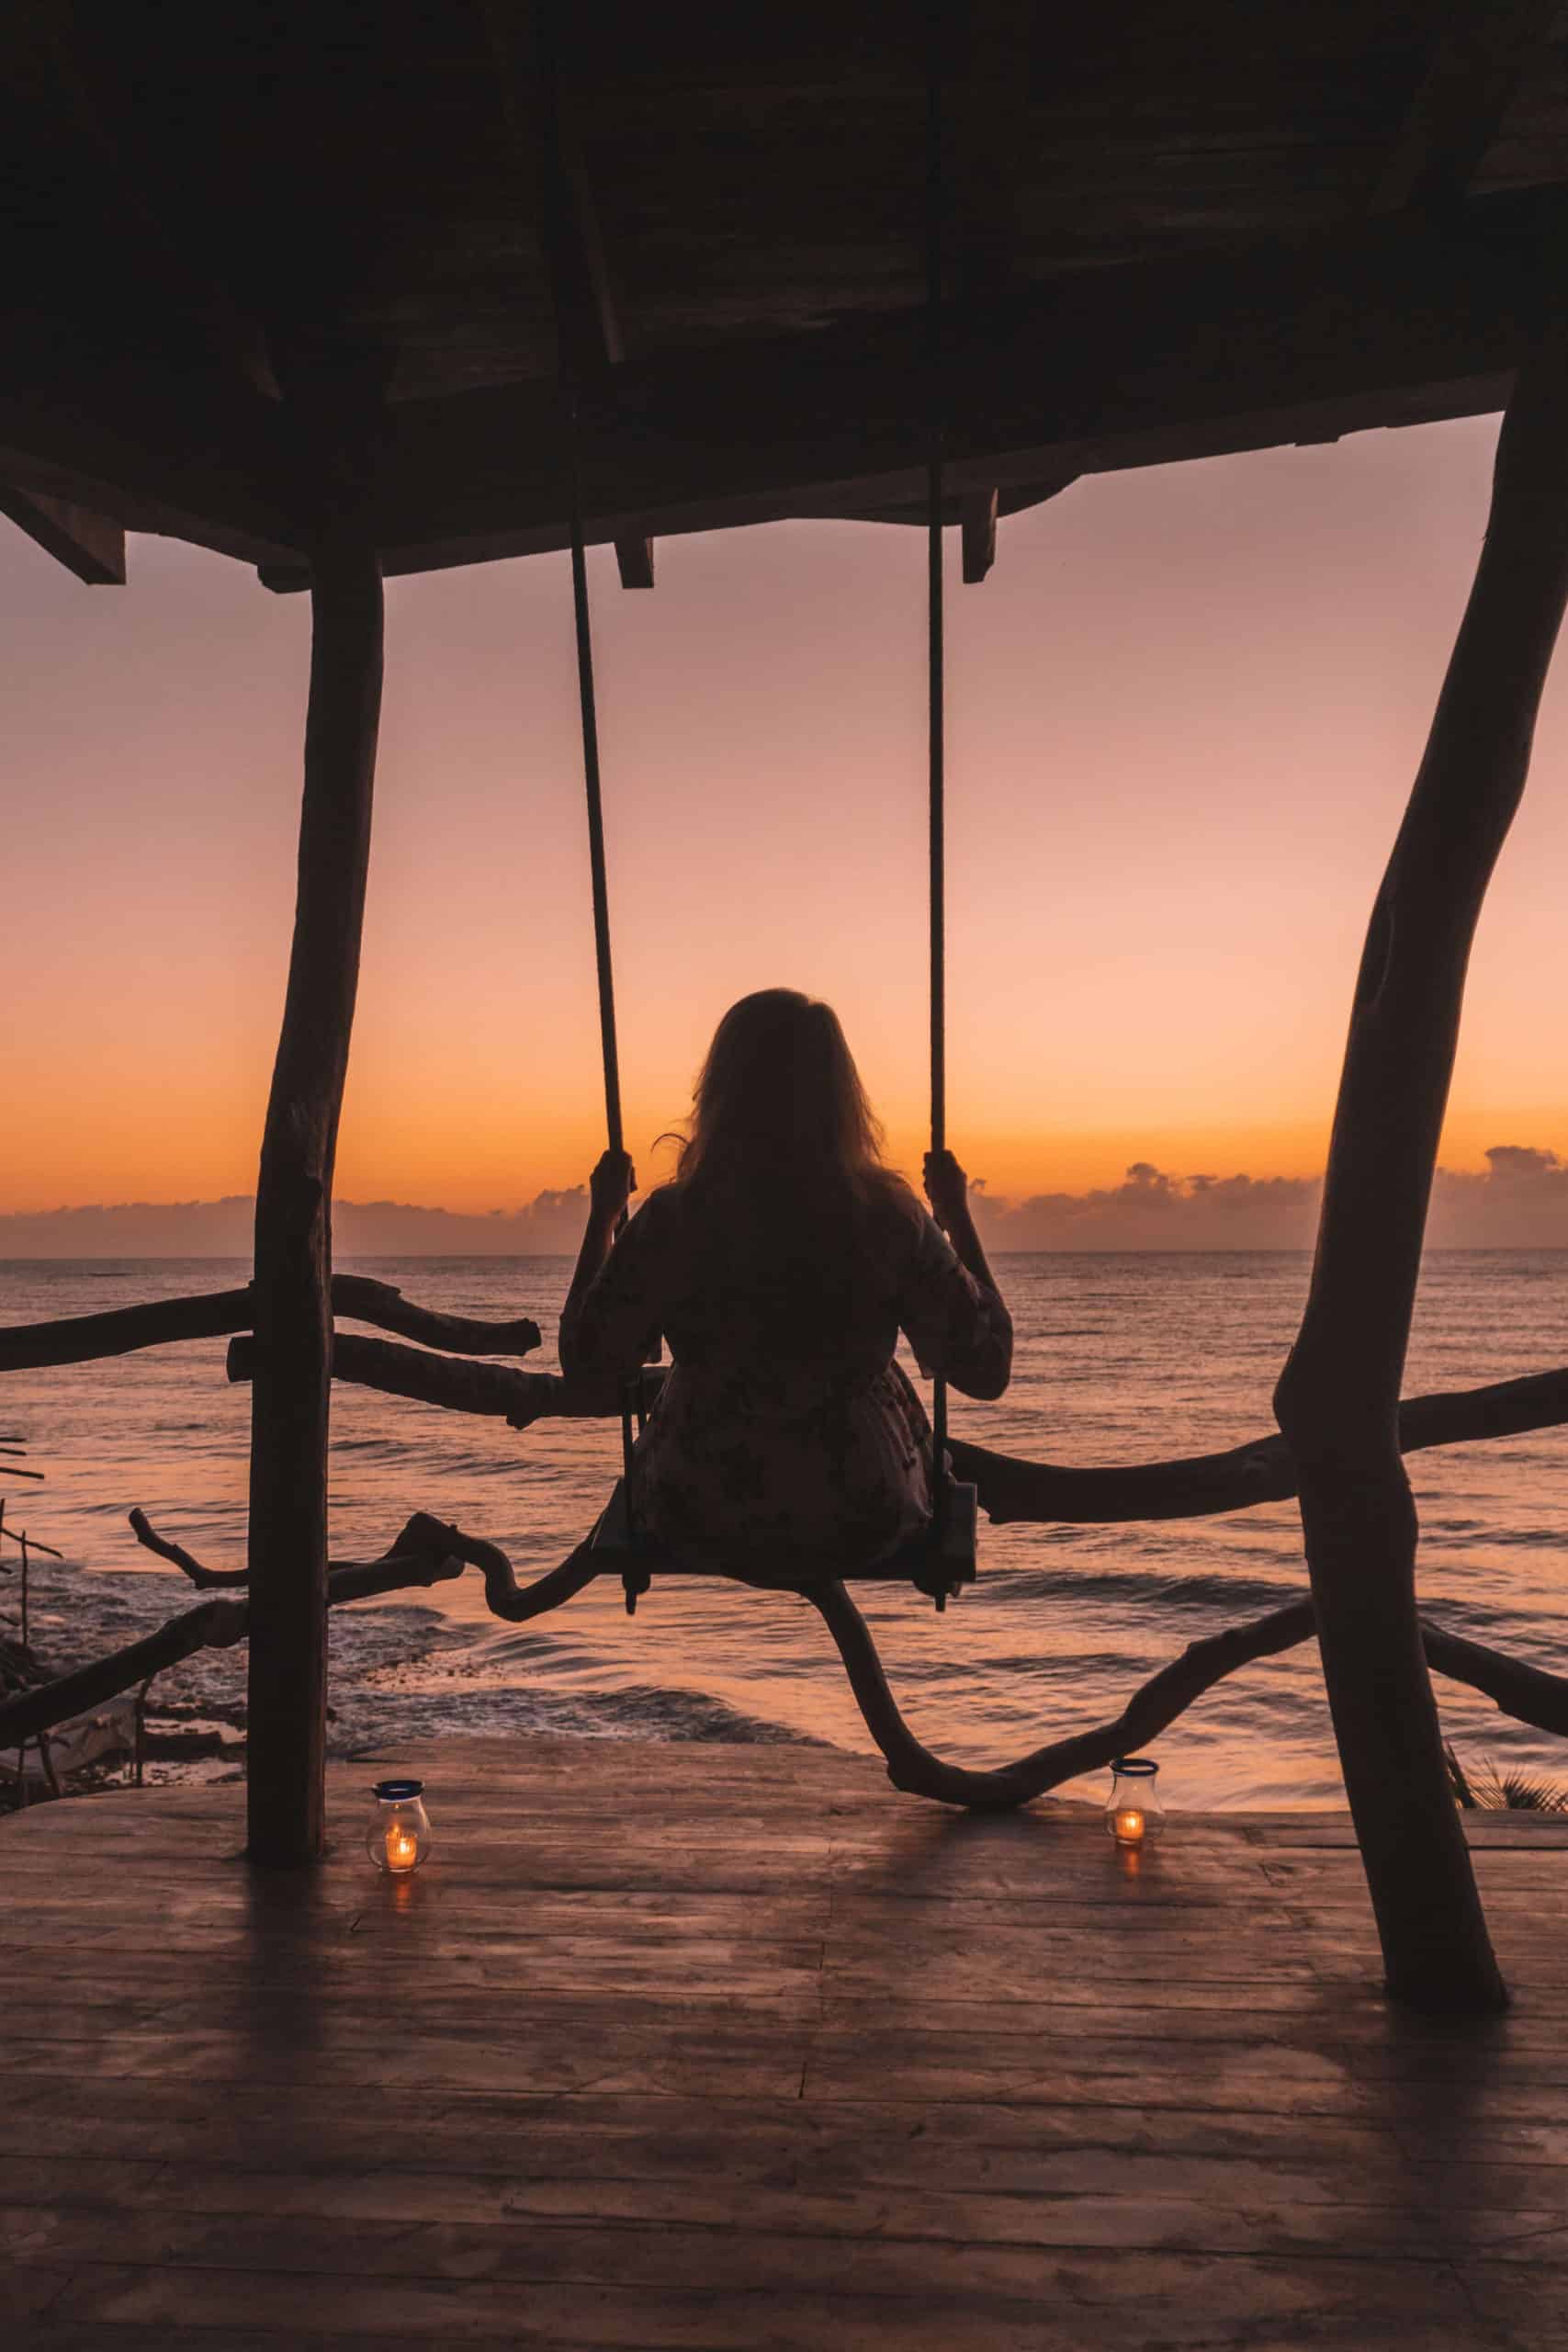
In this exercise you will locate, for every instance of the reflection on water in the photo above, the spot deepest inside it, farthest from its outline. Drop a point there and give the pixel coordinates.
(1119, 1358)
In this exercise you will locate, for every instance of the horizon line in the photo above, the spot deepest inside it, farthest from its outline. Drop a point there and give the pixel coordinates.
(1048, 1249)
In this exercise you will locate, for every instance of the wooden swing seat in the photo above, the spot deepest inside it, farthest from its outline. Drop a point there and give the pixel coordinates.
(939, 1560)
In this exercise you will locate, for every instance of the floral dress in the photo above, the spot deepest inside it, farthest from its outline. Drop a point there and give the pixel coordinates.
(786, 1436)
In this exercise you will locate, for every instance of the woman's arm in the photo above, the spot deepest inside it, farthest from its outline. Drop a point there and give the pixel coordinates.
(947, 1189)
(610, 1187)
(952, 1311)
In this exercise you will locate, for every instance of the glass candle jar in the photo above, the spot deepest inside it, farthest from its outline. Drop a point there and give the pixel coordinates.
(1134, 1814)
(398, 1838)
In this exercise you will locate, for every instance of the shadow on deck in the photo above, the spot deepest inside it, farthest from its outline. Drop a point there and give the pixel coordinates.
(732, 2047)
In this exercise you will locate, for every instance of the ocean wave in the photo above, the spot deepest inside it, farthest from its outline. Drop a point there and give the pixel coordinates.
(372, 1719)
(1144, 1589)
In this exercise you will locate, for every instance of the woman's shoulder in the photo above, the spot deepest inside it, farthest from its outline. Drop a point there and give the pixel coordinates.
(659, 1214)
(658, 1199)
(896, 1219)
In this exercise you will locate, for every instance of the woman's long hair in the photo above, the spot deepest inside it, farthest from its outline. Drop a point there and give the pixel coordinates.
(781, 1123)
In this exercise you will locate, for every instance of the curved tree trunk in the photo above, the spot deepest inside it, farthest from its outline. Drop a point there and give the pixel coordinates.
(293, 1262)
(1339, 1398)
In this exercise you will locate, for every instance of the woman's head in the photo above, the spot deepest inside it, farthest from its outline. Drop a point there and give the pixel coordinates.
(778, 1105)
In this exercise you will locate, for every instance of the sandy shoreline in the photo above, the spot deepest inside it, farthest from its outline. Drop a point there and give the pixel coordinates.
(400, 1673)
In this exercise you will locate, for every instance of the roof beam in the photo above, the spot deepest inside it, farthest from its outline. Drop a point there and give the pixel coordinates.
(88, 544)
(1386, 321)
(1374, 322)
(956, 510)
(1460, 100)
(163, 446)
(588, 326)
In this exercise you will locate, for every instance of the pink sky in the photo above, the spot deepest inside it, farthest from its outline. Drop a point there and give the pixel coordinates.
(1186, 708)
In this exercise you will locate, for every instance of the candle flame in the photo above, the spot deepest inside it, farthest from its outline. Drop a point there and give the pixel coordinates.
(402, 1847)
(1129, 1826)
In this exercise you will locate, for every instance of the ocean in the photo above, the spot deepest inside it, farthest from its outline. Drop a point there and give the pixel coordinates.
(1119, 1358)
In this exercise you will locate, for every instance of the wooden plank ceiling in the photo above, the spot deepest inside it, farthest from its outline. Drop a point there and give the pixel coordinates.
(1173, 227)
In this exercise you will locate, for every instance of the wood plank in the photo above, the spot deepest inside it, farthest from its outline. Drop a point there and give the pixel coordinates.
(595, 2138)
(979, 2248)
(907, 2080)
(1476, 65)
(88, 544)
(1415, 2307)
(1236, 2201)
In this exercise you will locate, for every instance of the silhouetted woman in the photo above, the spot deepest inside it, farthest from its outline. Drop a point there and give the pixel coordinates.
(780, 1264)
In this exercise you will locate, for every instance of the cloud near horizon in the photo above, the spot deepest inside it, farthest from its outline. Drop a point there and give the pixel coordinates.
(549, 1224)
(1152, 1209)
(1518, 1201)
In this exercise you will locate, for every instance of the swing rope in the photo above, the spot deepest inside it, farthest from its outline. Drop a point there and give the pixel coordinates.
(609, 1046)
(636, 1580)
(935, 673)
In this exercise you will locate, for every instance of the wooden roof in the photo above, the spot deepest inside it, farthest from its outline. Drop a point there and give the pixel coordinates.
(1173, 227)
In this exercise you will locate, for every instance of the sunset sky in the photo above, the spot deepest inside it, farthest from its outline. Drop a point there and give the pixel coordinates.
(1185, 711)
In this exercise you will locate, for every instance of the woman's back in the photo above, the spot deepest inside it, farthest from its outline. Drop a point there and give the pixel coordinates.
(781, 1265)
(761, 1282)
(785, 1432)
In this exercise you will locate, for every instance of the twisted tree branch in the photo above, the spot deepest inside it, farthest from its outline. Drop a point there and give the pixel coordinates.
(912, 1767)
(363, 1301)
(212, 1624)
(78, 1339)
(429, 1551)
(426, 1552)
(1522, 1692)
(462, 1386)
(210, 1315)
(1261, 1471)
(504, 1596)
(1010, 1488)
(203, 1577)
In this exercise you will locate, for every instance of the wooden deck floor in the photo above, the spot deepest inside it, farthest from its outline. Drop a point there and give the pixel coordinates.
(732, 2047)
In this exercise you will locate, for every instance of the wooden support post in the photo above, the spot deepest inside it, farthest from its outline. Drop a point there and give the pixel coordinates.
(1338, 1397)
(634, 560)
(979, 521)
(293, 1265)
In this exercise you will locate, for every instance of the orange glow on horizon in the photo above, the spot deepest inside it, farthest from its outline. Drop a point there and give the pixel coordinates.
(1185, 708)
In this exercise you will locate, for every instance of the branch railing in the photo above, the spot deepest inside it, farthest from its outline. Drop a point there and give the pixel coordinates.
(213, 1314)
(1011, 1487)
(428, 1551)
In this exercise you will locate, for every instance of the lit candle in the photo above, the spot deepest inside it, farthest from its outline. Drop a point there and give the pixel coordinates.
(403, 1846)
(1129, 1826)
